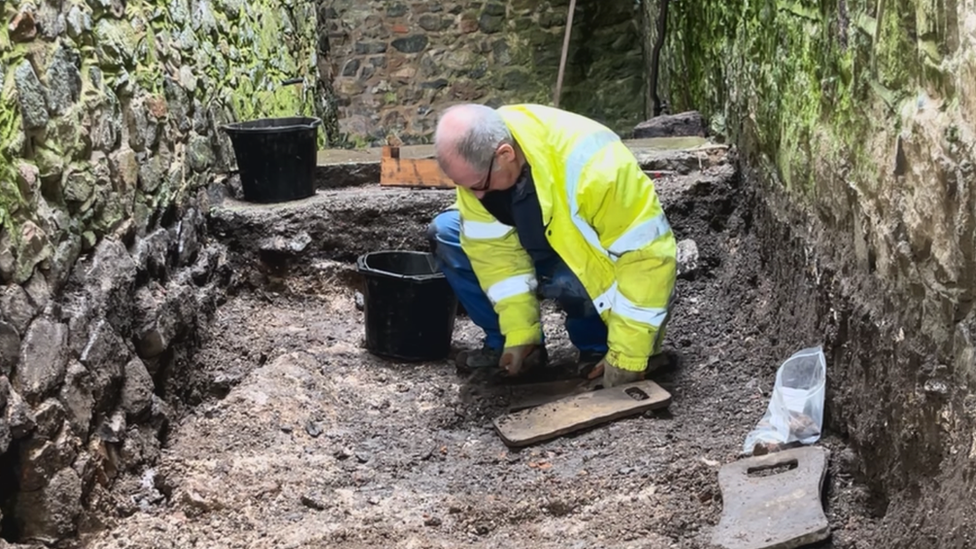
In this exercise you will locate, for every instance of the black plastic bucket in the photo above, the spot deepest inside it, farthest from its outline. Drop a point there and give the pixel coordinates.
(409, 306)
(276, 157)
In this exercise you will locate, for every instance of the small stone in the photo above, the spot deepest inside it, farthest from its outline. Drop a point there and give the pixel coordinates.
(78, 183)
(151, 173)
(110, 280)
(351, 67)
(5, 439)
(112, 430)
(19, 416)
(188, 79)
(76, 397)
(396, 10)
(43, 359)
(78, 21)
(137, 389)
(28, 179)
(432, 522)
(88, 241)
(370, 48)
(430, 22)
(49, 418)
(468, 24)
(105, 355)
(411, 44)
(160, 415)
(199, 153)
(8, 261)
(30, 97)
(50, 163)
(38, 290)
(51, 512)
(687, 258)
(23, 28)
(286, 428)
(314, 501)
(125, 167)
(342, 454)
(188, 239)
(313, 428)
(35, 248)
(490, 24)
(360, 301)
(16, 307)
(362, 456)
(65, 256)
(64, 80)
(4, 393)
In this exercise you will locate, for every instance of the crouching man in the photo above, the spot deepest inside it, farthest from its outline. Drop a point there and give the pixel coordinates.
(551, 204)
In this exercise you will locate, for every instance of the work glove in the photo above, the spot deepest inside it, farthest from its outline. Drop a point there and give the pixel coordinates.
(613, 376)
(521, 358)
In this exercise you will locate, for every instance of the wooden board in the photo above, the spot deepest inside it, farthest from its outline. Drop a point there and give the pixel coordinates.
(411, 172)
(531, 395)
(573, 413)
(773, 501)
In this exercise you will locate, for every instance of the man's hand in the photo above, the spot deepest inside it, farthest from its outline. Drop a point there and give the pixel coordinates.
(516, 360)
(613, 376)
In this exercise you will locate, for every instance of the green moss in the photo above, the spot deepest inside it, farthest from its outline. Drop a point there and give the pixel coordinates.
(795, 81)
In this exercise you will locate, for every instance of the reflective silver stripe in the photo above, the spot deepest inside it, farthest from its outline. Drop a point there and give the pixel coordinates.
(648, 315)
(641, 235)
(605, 300)
(582, 153)
(479, 230)
(512, 286)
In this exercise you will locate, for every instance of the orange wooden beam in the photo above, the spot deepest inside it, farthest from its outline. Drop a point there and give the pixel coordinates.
(411, 172)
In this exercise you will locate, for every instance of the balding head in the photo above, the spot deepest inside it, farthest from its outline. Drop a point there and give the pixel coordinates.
(466, 139)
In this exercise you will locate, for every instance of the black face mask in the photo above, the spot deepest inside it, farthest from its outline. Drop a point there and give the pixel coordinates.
(499, 204)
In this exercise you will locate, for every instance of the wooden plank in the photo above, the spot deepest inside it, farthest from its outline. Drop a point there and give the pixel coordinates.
(531, 395)
(570, 414)
(773, 501)
(411, 172)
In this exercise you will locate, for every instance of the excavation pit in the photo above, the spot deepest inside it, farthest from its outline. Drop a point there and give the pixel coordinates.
(288, 432)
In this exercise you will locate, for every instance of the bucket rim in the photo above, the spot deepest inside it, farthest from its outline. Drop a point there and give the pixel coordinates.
(295, 123)
(363, 268)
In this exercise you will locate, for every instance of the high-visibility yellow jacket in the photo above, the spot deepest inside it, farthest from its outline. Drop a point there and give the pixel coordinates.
(602, 217)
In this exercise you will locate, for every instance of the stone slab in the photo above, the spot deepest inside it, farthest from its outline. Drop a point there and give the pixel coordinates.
(773, 501)
(577, 412)
(685, 124)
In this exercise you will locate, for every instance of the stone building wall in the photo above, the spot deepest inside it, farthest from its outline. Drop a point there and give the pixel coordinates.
(858, 119)
(109, 116)
(397, 63)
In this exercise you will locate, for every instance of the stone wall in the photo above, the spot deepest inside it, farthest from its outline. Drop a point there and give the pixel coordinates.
(108, 141)
(859, 121)
(397, 64)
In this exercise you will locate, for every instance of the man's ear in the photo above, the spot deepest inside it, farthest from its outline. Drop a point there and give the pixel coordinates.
(507, 152)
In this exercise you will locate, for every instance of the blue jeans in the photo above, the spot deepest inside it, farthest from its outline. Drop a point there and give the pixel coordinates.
(586, 329)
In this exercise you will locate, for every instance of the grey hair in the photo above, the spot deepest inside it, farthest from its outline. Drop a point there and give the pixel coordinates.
(485, 132)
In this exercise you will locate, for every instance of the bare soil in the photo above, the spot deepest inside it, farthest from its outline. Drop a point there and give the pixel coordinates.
(312, 442)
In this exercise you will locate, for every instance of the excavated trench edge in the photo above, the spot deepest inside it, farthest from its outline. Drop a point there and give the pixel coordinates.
(809, 297)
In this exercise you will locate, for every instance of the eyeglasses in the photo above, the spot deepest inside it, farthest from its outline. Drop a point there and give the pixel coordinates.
(483, 186)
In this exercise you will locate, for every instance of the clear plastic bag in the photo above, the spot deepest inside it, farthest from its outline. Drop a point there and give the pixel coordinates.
(796, 407)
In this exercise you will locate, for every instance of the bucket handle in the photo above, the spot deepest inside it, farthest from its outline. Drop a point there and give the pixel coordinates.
(232, 127)
(363, 268)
